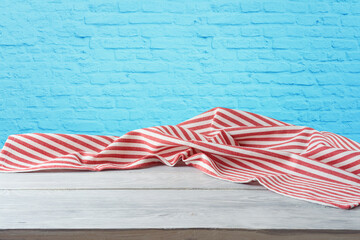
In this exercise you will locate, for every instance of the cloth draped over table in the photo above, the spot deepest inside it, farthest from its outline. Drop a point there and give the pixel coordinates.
(233, 145)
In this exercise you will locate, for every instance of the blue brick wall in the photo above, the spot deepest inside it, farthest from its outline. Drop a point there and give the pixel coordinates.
(108, 67)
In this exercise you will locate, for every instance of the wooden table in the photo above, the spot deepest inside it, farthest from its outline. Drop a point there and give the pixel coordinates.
(159, 203)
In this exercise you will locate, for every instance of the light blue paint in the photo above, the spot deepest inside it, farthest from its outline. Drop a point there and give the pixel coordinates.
(108, 67)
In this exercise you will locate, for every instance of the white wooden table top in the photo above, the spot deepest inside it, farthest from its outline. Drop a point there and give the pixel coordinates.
(159, 197)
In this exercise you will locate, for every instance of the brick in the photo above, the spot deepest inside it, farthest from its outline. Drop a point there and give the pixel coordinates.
(350, 21)
(249, 104)
(80, 66)
(48, 125)
(290, 55)
(103, 7)
(120, 90)
(350, 67)
(225, 7)
(282, 91)
(150, 18)
(26, 126)
(205, 32)
(289, 43)
(118, 43)
(341, 8)
(129, 6)
(275, 31)
(175, 7)
(181, 90)
(266, 55)
(297, 31)
(151, 31)
(83, 126)
(228, 19)
(172, 104)
(336, 56)
(297, 7)
(244, 43)
(321, 67)
(221, 79)
(318, 7)
(308, 20)
(250, 6)
(230, 31)
(267, 67)
(273, 19)
(127, 102)
(168, 43)
(155, 78)
(110, 114)
(278, 7)
(296, 104)
(355, 8)
(210, 90)
(105, 19)
(241, 78)
(153, 6)
(126, 31)
(148, 67)
(331, 21)
(321, 44)
(345, 44)
(251, 31)
(329, 79)
(188, 20)
(255, 90)
(353, 55)
(296, 68)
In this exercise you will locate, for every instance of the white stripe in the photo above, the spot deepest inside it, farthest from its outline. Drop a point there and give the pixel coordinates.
(270, 129)
(199, 123)
(51, 142)
(354, 168)
(71, 142)
(285, 162)
(255, 119)
(89, 142)
(12, 160)
(39, 146)
(236, 118)
(20, 155)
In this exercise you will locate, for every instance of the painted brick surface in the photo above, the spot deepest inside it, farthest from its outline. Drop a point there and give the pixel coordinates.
(108, 67)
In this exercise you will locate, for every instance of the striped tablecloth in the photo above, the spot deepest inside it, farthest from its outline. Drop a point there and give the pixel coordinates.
(233, 145)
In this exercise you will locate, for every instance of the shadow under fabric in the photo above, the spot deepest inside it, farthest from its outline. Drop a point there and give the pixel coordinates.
(232, 145)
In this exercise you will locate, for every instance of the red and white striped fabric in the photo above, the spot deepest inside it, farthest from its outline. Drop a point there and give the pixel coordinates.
(228, 144)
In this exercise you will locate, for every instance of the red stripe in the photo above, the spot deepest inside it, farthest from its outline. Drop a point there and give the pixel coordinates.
(230, 149)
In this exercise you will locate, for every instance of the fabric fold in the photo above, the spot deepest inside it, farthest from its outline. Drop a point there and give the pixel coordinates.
(232, 145)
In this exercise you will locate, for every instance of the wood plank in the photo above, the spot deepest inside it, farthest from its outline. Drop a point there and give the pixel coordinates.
(157, 177)
(166, 209)
(177, 234)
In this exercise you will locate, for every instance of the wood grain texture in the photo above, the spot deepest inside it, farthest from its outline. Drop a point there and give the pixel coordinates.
(166, 209)
(178, 234)
(157, 177)
(158, 203)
